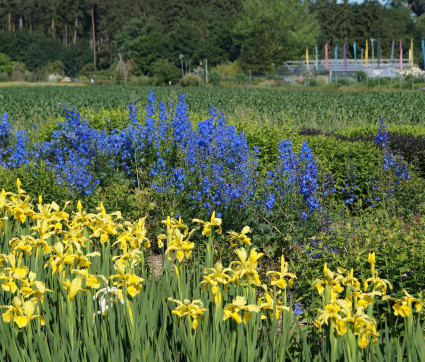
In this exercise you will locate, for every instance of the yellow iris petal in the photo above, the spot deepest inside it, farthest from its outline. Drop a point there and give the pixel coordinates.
(180, 255)
(21, 321)
(236, 317)
(7, 316)
(247, 317)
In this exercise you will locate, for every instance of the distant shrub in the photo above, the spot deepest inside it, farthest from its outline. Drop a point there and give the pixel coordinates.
(229, 69)
(165, 72)
(18, 72)
(55, 67)
(240, 78)
(409, 78)
(361, 76)
(37, 75)
(87, 70)
(400, 140)
(322, 79)
(4, 77)
(142, 81)
(190, 80)
(84, 79)
(273, 76)
(5, 64)
(215, 77)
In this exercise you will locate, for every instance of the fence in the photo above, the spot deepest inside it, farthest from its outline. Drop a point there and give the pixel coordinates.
(386, 68)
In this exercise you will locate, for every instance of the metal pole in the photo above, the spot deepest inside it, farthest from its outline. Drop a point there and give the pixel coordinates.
(206, 70)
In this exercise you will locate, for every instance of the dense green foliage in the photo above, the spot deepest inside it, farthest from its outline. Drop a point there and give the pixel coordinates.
(5, 64)
(260, 33)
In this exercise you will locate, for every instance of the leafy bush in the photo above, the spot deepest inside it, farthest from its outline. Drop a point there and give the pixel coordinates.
(240, 78)
(142, 80)
(395, 241)
(18, 73)
(372, 130)
(55, 67)
(408, 141)
(37, 75)
(361, 76)
(190, 80)
(87, 70)
(4, 77)
(5, 64)
(273, 76)
(413, 79)
(165, 71)
(229, 69)
(215, 77)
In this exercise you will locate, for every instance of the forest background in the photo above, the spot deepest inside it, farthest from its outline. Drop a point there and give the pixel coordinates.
(145, 36)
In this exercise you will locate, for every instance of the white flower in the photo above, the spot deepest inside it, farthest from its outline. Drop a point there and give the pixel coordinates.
(107, 298)
(415, 71)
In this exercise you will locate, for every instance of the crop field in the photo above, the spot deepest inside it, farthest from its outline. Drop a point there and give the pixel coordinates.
(211, 224)
(323, 110)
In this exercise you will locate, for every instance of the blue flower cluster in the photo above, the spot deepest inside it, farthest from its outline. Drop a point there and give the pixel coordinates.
(208, 166)
(293, 175)
(374, 188)
(214, 167)
(319, 246)
(390, 160)
(14, 151)
(211, 166)
(350, 185)
(298, 309)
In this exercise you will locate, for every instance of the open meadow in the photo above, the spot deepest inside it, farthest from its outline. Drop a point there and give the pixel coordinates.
(210, 223)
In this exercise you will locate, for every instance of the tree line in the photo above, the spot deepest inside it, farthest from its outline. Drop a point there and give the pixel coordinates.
(259, 34)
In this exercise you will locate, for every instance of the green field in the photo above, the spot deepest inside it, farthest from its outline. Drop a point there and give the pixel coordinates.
(327, 111)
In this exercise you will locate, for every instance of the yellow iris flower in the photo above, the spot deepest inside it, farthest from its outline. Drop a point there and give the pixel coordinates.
(239, 304)
(242, 237)
(245, 271)
(269, 301)
(403, 306)
(21, 313)
(192, 309)
(73, 287)
(182, 247)
(278, 278)
(12, 273)
(216, 276)
(104, 224)
(208, 225)
(130, 280)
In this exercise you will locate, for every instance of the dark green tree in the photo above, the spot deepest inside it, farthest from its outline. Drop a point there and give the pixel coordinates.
(272, 31)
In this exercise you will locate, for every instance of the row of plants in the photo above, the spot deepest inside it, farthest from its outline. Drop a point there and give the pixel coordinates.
(323, 110)
(81, 285)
